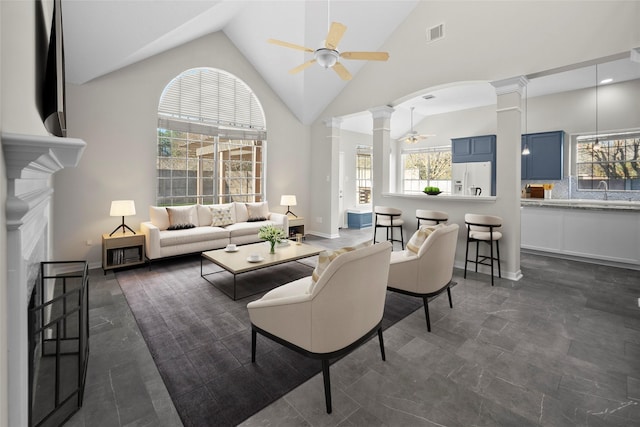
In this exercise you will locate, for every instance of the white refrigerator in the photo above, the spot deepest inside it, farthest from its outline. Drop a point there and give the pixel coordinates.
(471, 179)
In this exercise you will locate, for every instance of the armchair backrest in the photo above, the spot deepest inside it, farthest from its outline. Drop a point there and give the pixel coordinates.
(436, 257)
(348, 298)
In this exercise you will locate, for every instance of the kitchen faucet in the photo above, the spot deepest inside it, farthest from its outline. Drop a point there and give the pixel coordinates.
(606, 188)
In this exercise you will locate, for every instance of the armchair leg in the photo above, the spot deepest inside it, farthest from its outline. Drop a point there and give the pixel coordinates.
(327, 384)
(253, 346)
(381, 343)
(426, 313)
(449, 294)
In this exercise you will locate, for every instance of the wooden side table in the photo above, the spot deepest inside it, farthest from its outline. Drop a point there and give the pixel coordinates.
(122, 250)
(296, 226)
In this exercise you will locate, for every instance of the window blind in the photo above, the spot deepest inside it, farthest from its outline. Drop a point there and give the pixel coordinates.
(212, 97)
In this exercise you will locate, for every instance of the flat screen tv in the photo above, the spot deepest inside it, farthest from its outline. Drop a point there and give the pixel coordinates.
(53, 88)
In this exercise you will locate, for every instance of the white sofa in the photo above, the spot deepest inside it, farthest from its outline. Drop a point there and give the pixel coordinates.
(213, 227)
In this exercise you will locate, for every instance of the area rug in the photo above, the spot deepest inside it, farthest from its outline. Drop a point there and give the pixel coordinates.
(200, 339)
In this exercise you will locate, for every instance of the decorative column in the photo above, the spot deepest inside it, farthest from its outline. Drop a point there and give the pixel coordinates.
(508, 167)
(381, 152)
(333, 141)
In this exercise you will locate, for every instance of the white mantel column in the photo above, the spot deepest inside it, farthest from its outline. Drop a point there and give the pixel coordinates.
(30, 162)
(508, 166)
(381, 152)
(333, 140)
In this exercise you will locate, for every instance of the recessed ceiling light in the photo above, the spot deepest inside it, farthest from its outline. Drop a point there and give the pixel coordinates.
(605, 81)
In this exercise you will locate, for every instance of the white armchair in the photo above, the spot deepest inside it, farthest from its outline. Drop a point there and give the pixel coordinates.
(329, 318)
(428, 271)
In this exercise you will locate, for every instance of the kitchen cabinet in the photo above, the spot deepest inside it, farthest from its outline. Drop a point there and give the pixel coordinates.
(578, 231)
(473, 149)
(545, 160)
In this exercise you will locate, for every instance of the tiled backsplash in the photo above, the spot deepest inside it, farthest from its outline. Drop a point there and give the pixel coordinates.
(568, 189)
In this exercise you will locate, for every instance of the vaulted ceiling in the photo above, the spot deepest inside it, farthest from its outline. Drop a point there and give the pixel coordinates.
(103, 36)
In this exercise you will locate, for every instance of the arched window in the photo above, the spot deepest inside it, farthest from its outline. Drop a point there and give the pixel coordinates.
(211, 140)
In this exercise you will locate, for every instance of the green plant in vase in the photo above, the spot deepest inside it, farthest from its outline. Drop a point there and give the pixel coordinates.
(272, 235)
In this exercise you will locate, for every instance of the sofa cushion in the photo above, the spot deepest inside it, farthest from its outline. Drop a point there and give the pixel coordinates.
(245, 228)
(241, 212)
(159, 217)
(191, 235)
(257, 211)
(182, 215)
(325, 258)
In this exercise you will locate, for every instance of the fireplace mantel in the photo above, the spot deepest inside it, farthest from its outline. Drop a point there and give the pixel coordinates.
(30, 162)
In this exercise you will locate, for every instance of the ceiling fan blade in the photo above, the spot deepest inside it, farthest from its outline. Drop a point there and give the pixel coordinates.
(371, 56)
(341, 71)
(301, 67)
(335, 35)
(290, 45)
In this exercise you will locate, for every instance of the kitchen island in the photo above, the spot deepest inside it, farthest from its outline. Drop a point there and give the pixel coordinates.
(601, 231)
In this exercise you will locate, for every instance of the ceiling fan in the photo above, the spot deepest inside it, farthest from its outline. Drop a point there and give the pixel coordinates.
(412, 136)
(328, 55)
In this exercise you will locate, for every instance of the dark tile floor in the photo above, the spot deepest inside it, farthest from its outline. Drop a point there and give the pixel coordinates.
(559, 347)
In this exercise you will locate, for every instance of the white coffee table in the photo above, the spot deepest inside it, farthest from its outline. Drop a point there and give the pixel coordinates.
(237, 262)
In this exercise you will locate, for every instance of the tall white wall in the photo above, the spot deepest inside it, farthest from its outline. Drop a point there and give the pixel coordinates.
(117, 116)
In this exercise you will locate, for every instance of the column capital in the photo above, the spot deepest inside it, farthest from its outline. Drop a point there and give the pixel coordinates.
(510, 85)
(383, 112)
(333, 122)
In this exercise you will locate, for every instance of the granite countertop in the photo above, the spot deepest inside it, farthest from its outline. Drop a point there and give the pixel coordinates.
(618, 205)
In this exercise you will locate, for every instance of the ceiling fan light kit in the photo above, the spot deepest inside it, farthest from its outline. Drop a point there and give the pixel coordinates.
(328, 56)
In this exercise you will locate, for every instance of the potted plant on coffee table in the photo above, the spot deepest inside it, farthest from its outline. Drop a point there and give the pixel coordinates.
(272, 235)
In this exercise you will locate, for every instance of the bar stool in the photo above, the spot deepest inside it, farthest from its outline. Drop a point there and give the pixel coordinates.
(426, 217)
(388, 218)
(483, 228)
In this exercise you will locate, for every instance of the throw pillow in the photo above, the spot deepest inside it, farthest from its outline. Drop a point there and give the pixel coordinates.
(257, 211)
(181, 226)
(221, 216)
(325, 258)
(418, 238)
(181, 215)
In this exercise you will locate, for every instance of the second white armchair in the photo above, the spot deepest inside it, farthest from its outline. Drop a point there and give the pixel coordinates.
(425, 268)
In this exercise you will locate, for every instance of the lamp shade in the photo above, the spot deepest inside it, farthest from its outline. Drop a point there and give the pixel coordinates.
(288, 200)
(123, 208)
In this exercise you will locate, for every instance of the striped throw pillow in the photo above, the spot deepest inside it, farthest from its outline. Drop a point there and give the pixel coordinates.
(325, 258)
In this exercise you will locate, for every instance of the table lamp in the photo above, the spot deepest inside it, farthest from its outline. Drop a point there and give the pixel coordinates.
(122, 208)
(288, 201)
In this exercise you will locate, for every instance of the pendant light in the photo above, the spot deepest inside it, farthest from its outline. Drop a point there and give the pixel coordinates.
(525, 150)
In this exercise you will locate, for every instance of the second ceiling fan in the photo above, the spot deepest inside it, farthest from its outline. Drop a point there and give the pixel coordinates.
(328, 55)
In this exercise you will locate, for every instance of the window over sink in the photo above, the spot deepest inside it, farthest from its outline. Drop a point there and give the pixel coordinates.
(608, 161)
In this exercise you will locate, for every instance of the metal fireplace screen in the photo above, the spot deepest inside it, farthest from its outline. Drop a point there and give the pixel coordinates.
(58, 342)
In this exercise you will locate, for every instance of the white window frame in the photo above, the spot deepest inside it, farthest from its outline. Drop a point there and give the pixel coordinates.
(443, 184)
(224, 130)
(612, 182)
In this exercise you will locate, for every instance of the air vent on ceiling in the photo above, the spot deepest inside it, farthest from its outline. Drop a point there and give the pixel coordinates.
(435, 33)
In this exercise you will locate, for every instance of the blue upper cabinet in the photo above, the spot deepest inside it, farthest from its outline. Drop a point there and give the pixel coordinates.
(474, 149)
(545, 160)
